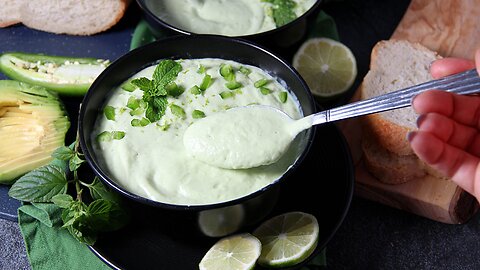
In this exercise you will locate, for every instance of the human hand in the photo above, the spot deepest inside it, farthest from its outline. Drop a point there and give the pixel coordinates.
(448, 136)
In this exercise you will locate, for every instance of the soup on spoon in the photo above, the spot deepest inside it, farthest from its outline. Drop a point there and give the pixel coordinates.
(243, 137)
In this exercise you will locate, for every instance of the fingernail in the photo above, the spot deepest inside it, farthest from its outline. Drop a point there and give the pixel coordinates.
(420, 120)
(411, 135)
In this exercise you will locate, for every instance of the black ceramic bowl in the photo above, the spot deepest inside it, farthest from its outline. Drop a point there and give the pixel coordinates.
(278, 38)
(185, 47)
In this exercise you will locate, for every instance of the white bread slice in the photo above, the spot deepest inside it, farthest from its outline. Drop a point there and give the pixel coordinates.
(10, 12)
(388, 167)
(74, 17)
(395, 64)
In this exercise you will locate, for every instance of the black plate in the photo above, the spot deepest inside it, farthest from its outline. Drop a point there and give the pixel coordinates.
(322, 186)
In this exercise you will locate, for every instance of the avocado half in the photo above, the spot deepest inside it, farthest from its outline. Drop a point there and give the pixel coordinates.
(33, 123)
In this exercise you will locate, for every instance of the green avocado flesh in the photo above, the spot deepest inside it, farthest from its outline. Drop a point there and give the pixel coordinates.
(33, 123)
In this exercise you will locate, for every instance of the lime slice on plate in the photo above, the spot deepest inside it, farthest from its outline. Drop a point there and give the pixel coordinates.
(221, 221)
(236, 252)
(328, 67)
(287, 239)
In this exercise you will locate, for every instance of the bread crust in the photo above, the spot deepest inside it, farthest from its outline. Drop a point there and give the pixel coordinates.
(387, 152)
(389, 167)
(28, 19)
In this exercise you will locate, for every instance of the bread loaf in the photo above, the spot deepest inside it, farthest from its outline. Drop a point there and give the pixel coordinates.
(395, 64)
(74, 17)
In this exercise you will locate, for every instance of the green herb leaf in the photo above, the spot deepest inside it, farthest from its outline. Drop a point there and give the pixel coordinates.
(198, 114)
(178, 111)
(62, 200)
(165, 72)
(76, 220)
(109, 112)
(283, 11)
(156, 108)
(104, 215)
(63, 153)
(143, 83)
(75, 162)
(40, 185)
(99, 191)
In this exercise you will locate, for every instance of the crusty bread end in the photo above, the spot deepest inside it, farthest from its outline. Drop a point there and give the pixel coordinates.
(73, 17)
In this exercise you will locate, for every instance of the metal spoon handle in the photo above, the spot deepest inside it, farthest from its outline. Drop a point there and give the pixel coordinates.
(463, 83)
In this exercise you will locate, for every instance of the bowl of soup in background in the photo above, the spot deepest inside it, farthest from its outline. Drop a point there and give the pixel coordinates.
(254, 20)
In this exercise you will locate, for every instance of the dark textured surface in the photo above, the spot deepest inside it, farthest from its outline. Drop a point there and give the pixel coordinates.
(373, 236)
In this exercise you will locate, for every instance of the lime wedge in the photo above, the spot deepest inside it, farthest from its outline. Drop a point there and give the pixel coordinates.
(236, 252)
(328, 67)
(221, 221)
(287, 239)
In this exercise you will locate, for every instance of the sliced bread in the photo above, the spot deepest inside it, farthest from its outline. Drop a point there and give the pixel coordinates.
(74, 17)
(10, 12)
(395, 64)
(388, 167)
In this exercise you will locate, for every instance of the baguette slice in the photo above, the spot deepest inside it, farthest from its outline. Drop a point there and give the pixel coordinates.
(10, 12)
(395, 64)
(74, 17)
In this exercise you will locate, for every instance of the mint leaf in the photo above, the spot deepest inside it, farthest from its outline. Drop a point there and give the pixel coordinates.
(63, 153)
(40, 185)
(99, 191)
(62, 200)
(282, 11)
(76, 219)
(156, 107)
(104, 215)
(143, 83)
(165, 72)
(75, 162)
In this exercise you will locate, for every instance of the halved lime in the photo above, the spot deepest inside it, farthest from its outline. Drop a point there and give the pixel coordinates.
(221, 221)
(287, 239)
(328, 67)
(236, 252)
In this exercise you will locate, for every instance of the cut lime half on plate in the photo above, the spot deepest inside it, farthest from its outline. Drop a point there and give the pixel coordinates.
(287, 239)
(328, 67)
(236, 252)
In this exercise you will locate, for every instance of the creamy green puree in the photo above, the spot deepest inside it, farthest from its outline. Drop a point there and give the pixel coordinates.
(149, 158)
(227, 17)
(226, 140)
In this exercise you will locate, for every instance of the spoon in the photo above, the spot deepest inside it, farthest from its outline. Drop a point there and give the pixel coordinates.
(257, 135)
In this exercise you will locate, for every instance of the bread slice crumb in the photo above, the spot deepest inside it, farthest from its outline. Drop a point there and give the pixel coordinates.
(73, 17)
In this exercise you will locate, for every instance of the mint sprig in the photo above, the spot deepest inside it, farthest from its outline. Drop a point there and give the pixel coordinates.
(82, 215)
(155, 90)
(282, 11)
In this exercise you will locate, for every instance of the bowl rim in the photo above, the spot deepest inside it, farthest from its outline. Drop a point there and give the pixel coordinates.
(143, 6)
(89, 157)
